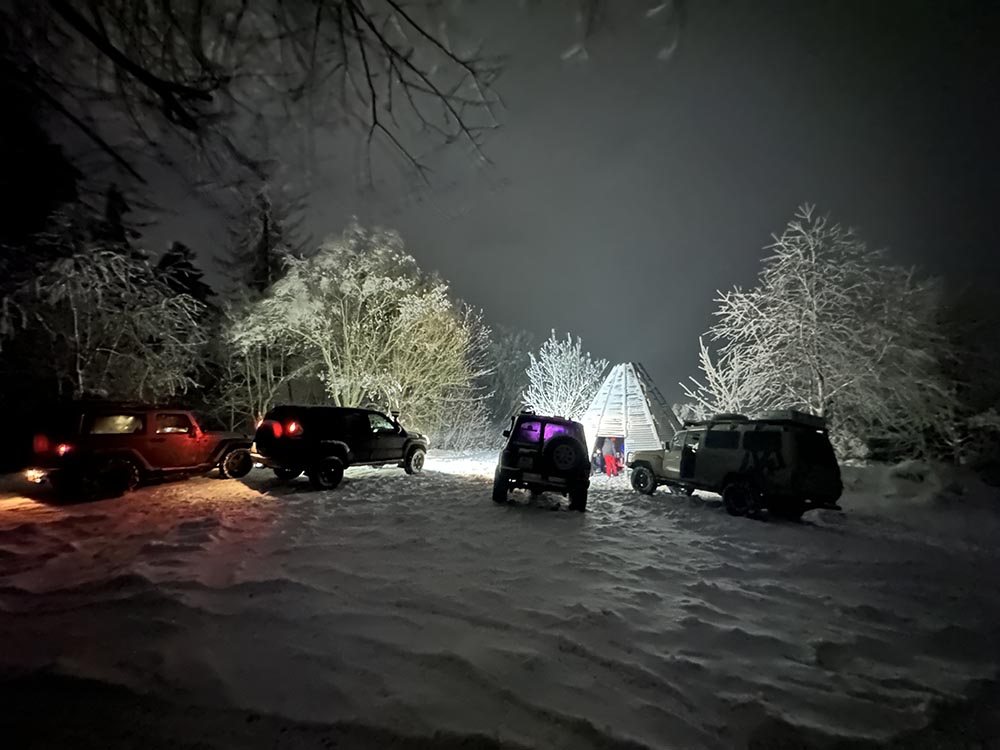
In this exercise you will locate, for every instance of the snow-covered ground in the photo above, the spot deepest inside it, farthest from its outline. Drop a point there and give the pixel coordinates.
(416, 605)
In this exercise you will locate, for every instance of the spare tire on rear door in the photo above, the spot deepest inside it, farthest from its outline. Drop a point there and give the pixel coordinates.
(563, 454)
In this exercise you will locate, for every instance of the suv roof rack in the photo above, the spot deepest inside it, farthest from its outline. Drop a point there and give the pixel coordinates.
(795, 416)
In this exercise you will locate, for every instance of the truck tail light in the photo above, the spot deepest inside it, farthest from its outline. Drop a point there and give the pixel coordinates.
(40, 443)
(63, 448)
(294, 429)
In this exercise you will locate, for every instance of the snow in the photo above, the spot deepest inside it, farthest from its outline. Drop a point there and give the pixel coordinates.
(417, 605)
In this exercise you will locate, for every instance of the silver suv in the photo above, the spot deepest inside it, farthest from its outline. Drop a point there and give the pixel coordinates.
(782, 462)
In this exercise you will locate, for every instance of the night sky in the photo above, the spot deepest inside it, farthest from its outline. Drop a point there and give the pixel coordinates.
(624, 191)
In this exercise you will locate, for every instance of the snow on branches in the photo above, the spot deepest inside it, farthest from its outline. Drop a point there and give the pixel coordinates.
(375, 326)
(563, 379)
(113, 327)
(834, 328)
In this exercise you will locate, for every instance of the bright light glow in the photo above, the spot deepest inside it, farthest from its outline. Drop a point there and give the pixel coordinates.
(293, 428)
(259, 423)
(34, 475)
(63, 448)
(40, 443)
(474, 464)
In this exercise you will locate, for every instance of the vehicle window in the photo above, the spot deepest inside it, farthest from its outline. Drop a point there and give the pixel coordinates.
(356, 426)
(677, 442)
(528, 431)
(380, 423)
(117, 424)
(170, 424)
(551, 429)
(693, 441)
(767, 441)
(724, 439)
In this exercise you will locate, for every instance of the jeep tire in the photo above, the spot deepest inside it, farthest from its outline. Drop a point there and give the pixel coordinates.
(235, 463)
(501, 488)
(119, 476)
(562, 454)
(414, 463)
(643, 480)
(327, 474)
(578, 498)
(738, 498)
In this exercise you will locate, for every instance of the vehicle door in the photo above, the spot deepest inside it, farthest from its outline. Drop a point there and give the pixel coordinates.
(387, 438)
(689, 453)
(358, 436)
(176, 442)
(672, 456)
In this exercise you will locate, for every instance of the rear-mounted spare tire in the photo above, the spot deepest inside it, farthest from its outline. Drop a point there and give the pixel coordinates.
(563, 454)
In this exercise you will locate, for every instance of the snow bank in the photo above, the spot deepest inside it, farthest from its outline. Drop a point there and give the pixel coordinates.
(416, 605)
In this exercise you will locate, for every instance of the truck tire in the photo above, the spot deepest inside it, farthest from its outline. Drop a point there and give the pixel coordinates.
(643, 480)
(414, 463)
(327, 474)
(235, 463)
(578, 499)
(501, 488)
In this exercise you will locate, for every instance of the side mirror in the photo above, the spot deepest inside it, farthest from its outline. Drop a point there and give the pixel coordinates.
(506, 433)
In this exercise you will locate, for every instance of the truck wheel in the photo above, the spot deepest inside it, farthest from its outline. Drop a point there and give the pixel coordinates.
(414, 463)
(578, 499)
(501, 488)
(287, 475)
(643, 480)
(235, 463)
(327, 473)
(738, 499)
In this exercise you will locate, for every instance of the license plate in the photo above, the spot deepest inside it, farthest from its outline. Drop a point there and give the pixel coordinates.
(540, 478)
(524, 462)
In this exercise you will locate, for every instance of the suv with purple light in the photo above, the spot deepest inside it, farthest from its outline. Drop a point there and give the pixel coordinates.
(544, 454)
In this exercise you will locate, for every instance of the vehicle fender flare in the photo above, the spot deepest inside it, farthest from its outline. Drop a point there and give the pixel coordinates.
(410, 445)
(226, 445)
(337, 448)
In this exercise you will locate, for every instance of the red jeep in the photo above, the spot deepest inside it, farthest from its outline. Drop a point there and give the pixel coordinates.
(104, 449)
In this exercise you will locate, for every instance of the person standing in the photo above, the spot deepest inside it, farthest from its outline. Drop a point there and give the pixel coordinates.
(610, 462)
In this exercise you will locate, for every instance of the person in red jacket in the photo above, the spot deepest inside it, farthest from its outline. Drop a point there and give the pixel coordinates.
(610, 462)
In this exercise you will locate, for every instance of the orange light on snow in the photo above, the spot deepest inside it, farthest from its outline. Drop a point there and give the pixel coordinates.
(63, 448)
(293, 428)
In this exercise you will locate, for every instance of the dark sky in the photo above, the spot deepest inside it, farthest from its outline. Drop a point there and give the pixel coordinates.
(625, 191)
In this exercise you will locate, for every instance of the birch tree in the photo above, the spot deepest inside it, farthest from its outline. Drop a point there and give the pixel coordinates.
(834, 328)
(562, 378)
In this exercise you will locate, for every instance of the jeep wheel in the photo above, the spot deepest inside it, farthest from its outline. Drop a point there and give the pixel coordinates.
(563, 454)
(414, 463)
(578, 499)
(287, 475)
(327, 473)
(119, 476)
(789, 508)
(643, 480)
(501, 488)
(738, 499)
(235, 463)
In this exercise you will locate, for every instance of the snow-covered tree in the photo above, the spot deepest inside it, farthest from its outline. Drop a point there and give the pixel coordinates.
(562, 378)
(374, 326)
(178, 269)
(109, 326)
(833, 328)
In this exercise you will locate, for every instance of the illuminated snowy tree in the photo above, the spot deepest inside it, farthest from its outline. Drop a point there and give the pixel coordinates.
(562, 378)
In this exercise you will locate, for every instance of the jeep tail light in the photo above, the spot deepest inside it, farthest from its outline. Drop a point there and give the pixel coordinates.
(40, 443)
(293, 429)
(63, 448)
(276, 429)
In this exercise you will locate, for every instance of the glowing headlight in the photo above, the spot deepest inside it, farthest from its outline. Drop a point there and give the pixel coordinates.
(34, 475)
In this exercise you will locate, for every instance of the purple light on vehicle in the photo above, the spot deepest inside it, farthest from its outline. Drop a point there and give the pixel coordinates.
(552, 430)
